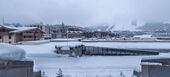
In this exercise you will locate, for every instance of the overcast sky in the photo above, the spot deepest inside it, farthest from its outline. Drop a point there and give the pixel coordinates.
(84, 12)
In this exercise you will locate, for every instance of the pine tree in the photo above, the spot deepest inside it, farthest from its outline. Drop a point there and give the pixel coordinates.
(59, 74)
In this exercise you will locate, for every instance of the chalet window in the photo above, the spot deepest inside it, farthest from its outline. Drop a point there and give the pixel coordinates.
(9, 36)
(27, 36)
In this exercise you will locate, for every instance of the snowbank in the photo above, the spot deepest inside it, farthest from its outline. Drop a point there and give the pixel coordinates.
(131, 45)
(64, 40)
(161, 56)
(143, 36)
(34, 42)
(11, 52)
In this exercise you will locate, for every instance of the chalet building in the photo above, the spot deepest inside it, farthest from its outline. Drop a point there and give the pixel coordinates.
(75, 34)
(64, 31)
(99, 34)
(88, 35)
(13, 35)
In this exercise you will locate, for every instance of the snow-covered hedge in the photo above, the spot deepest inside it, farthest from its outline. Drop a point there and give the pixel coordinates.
(11, 52)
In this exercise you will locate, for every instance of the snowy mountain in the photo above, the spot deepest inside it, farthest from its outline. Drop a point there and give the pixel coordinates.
(156, 26)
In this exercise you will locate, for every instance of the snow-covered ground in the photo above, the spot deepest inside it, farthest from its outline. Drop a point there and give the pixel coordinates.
(87, 66)
(47, 48)
(142, 45)
(34, 42)
(64, 40)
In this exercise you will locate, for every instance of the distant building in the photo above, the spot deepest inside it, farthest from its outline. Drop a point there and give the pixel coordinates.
(161, 35)
(155, 67)
(52, 31)
(16, 34)
(64, 31)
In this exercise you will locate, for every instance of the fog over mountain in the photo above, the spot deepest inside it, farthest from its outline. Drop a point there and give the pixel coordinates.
(84, 12)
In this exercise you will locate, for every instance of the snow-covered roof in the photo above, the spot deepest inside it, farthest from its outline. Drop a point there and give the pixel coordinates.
(150, 63)
(157, 57)
(143, 36)
(131, 45)
(19, 29)
(65, 48)
(11, 52)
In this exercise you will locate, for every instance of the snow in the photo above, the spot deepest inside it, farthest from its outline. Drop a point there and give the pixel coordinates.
(11, 52)
(19, 29)
(46, 48)
(131, 45)
(63, 40)
(65, 48)
(87, 66)
(162, 56)
(151, 63)
(143, 36)
(34, 42)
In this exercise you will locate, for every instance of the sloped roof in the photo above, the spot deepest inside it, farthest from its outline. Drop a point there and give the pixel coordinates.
(22, 29)
(18, 29)
(4, 27)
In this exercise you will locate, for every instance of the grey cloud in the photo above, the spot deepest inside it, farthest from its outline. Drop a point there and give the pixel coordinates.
(84, 12)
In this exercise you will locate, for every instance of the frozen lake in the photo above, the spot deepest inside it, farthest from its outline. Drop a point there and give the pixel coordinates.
(87, 66)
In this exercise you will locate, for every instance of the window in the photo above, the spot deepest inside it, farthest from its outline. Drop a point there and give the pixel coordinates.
(0, 37)
(9, 36)
(27, 36)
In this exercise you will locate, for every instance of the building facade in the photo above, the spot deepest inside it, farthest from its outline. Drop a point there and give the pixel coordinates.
(17, 34)
(159, 67)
